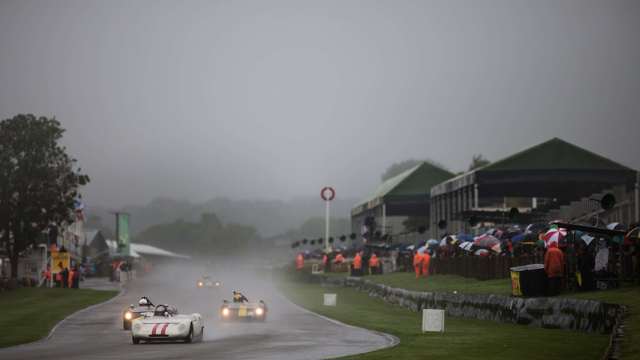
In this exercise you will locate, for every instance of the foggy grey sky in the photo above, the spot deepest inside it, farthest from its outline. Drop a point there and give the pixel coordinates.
(274, 99)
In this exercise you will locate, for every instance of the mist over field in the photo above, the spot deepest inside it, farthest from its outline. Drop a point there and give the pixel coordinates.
(268, 217)
(276, 99)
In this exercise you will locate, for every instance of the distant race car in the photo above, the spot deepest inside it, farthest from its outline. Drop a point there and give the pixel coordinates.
(206, 281)
(166, 324)
(145, 307)
(230, 311)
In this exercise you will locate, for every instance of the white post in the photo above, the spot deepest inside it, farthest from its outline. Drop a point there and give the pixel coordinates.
(326, 226)
(384, 218)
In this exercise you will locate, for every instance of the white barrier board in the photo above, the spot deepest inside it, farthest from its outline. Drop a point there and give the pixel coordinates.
(315, 269)
(330, 299)
(432, 320)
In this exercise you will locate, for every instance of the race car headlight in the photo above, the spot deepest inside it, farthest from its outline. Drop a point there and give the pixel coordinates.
(225, 312)
(200, 284)
(217, 283)
(259, 311)
(128, 315)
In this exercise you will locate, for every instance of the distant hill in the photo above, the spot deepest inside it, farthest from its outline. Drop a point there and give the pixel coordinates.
(268, 217)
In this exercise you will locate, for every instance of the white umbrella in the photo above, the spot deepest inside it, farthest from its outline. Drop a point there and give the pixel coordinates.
(482, 252)
(587, 239)
(443, 242)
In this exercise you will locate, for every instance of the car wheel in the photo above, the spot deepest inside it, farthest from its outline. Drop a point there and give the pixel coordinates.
(189, 338)
(201, 337)
(135, 340)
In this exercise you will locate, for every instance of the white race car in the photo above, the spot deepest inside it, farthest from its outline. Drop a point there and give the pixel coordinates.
(167, 325)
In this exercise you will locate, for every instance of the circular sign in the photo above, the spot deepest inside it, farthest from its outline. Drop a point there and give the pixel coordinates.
(327, 193)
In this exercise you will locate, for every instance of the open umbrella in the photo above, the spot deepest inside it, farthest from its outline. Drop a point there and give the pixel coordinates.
(486, 241)
(433, 243)
(516, 239)
(449, 239)
(587, 239)
(535, 228)
(615, 226)
(554, 235)
(632, 236)
(466, 245)
(465, 237)
(482, 252)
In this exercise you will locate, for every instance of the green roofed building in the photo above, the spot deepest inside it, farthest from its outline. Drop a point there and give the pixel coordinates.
(398, 198)
(535, 181)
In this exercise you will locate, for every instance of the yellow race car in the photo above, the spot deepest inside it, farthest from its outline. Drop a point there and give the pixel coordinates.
(243, 310)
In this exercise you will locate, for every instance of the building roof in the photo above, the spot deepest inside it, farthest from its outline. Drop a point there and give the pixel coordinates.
(89, 236)
(138, 250)
(554, 154)
(413, 182)
(551, 168)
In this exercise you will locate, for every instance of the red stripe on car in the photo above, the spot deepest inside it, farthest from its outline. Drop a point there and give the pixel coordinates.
(164, 329)
(155, 327)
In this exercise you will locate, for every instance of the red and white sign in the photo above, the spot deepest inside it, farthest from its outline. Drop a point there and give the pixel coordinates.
(327, 193)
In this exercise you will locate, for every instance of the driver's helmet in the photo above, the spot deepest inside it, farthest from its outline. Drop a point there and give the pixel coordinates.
(143, 301)
(161, 310)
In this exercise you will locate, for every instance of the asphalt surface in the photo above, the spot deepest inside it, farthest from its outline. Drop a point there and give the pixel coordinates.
(289, 332)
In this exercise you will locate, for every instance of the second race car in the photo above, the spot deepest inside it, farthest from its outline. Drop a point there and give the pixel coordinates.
(242, 309)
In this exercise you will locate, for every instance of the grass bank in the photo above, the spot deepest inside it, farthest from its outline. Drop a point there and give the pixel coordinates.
(463, 338)
(28, 314)
(629, 296)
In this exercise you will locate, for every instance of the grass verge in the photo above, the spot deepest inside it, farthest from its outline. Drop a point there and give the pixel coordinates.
(29, 313)
(629, 296)
(463, 338)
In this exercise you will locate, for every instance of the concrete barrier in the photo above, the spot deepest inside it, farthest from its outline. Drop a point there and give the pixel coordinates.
(554, 312)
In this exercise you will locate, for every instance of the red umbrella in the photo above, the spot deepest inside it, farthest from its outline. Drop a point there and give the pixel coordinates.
(554, 235)
(486, 241)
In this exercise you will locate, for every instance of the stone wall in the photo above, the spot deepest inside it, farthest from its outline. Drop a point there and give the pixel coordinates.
(555, 313)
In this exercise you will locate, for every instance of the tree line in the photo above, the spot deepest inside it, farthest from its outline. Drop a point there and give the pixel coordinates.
(39, 182)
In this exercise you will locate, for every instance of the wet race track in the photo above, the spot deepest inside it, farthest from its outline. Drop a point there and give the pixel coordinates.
(289, 332)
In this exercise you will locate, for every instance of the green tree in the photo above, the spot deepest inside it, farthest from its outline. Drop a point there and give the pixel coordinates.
(38, 182)
(478, 161)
